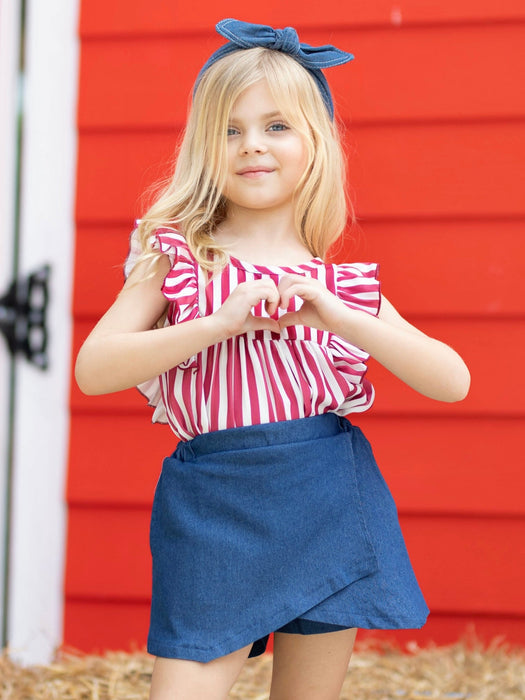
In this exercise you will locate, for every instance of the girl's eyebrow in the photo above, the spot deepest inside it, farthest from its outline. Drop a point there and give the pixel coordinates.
(271, 115)
(264, 117)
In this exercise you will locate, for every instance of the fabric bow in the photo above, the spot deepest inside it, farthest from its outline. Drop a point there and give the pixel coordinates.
(244, 35)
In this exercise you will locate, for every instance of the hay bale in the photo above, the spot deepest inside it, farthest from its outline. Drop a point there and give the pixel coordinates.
(459, 672)
(116, 675)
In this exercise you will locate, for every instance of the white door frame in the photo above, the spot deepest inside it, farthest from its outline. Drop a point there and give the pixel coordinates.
(41, 417)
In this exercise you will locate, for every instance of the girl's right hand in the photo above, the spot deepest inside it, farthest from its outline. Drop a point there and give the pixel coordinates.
(236, 316)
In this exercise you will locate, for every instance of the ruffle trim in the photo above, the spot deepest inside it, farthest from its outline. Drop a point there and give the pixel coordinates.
(358, 287)
(181, 284)
(151, 389)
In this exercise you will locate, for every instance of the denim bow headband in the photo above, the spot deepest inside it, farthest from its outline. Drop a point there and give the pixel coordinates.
(243, 35)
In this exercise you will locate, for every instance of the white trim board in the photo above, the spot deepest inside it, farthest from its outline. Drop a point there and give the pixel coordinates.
(36, 589)
(9, 52)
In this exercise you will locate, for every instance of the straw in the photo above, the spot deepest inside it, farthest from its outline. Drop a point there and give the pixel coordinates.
(463, 671)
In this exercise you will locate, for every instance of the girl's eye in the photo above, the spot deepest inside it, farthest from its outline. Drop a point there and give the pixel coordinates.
(232, 131)
(278, 126)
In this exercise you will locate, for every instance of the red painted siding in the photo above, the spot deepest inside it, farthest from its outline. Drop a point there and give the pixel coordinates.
(435, 112)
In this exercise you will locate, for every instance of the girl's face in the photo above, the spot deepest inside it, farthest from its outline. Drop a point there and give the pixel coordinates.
(266, 156)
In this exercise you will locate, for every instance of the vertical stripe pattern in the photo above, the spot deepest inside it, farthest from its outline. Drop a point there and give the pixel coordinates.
(260, 376)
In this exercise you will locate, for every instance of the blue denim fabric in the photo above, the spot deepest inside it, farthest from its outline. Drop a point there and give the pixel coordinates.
(254, 527)
(245, 35)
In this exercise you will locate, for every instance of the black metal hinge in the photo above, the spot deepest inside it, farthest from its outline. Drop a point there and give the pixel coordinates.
(23, 317)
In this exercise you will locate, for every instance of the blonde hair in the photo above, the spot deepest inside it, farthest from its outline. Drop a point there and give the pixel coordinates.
(192, 202)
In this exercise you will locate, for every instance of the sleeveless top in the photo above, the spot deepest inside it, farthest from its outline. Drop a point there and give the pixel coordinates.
(259, 376)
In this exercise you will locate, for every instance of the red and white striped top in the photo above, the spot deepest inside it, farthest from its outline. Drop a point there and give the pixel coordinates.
(260, 376)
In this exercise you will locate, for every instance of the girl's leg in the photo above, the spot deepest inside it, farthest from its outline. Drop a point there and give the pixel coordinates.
(179, 679)
(310, 667)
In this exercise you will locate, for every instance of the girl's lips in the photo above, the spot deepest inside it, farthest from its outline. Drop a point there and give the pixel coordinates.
(254, 172)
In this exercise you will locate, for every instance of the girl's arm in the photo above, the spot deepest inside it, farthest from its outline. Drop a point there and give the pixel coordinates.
(124, 349)
(424, 363)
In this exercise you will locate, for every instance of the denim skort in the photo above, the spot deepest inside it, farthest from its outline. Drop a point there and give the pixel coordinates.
(254, 527)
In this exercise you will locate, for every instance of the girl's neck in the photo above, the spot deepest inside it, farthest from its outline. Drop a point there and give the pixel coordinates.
(262, 238)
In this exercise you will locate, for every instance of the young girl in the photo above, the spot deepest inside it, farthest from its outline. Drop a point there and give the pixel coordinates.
(271, 515)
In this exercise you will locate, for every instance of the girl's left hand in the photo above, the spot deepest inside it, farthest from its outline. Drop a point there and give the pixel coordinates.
(320, 309)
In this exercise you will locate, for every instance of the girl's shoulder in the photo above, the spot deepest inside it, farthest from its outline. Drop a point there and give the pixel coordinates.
(181, 282)
(170, 241)
(164, 240)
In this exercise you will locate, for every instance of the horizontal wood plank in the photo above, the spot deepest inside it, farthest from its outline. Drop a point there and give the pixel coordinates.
(436, 170)
(427, 268)
(408, 171)
(468, 564)
(94, 627)
(416, 73)
(103, 17)
(100, 254)
(463, 564)
(447, 268)
(115, 171)
(450, 466)
(121, 568)
(432, 465)
(116, 462)
(492, 348)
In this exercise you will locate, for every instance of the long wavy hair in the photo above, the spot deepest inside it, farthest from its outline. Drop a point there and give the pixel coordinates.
(192, 201)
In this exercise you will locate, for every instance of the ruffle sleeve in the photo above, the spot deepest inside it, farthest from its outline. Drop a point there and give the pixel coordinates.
(358, 287)
(181, 289)
(181, 286)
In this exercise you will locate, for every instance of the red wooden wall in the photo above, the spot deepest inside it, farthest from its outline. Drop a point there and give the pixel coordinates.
(435, 106)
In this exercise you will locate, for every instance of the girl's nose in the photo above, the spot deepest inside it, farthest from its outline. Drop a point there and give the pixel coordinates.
(252, 143)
